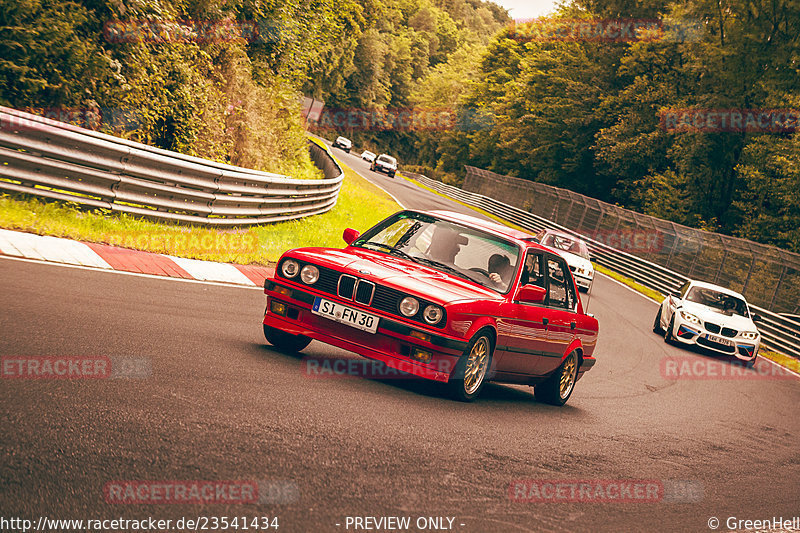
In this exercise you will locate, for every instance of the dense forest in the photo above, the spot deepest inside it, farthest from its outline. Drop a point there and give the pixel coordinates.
(222, 80)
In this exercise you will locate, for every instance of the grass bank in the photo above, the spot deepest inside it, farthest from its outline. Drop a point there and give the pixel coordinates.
(360, 205)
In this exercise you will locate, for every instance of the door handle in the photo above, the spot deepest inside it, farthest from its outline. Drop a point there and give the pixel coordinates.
(572, 325)
(545, 321)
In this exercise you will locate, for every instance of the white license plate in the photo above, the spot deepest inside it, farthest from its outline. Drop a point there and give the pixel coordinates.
(719, 340)
(345, 315)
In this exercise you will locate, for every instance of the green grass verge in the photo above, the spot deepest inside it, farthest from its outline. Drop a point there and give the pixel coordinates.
(784, 360)
(360, 205)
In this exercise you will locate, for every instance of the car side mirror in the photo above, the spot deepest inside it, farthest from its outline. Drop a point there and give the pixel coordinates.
(532, 294)
(757, 318)
(350, 235)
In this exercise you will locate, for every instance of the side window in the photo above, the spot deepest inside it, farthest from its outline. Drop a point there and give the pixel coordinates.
(533, 273)
(572, 297)
(557, 278)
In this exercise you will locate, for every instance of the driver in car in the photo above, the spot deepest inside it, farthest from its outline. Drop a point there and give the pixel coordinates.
(500, 270)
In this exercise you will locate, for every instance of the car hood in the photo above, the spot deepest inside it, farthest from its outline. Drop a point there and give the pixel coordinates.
(709, 314)
(574, 260)
(397, 273)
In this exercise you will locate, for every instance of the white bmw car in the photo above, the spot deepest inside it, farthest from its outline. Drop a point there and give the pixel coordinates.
(574, 251)
(712, 317)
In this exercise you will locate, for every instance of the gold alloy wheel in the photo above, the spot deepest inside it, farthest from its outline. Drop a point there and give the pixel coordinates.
(476, 365)
(568, 374)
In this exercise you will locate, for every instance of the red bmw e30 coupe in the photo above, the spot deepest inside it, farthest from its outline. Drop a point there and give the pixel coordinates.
(443, 296)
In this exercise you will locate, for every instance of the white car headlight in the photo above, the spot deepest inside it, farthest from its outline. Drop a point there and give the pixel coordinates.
(689, 317)
(750, 335)
(433, 314)
(309, 274)
(290, 268)
(409, 306)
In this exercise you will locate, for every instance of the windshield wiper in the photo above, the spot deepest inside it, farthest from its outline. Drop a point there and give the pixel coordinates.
(446, 268)
(391, 249)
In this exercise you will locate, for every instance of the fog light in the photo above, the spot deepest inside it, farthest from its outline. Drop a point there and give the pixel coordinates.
(278, 308)
(421, 355)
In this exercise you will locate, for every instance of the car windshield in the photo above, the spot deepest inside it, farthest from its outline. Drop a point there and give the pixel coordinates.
(459, 250)
(387, 159)
(568, 244)
(725, 303)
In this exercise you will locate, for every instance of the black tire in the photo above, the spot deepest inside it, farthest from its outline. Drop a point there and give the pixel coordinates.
(551, 390)
(465, 384)
(285, 341)
(657, 323)
(391, 174)
(668, 338)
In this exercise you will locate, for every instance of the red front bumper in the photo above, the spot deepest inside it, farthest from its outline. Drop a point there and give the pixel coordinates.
(388, 346)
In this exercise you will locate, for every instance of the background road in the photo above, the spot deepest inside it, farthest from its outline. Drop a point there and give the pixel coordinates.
(221, 404)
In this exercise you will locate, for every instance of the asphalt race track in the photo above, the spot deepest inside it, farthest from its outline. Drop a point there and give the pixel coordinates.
(218, 403)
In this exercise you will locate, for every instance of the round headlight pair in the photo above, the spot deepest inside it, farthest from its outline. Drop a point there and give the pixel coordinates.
(750, 335)
(309, 273)
(689, 317)
(409, 307)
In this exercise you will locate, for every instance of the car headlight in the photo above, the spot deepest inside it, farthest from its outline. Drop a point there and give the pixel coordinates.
(290, 268)
(750, 335)
(582, 271)
(433, 314)
(689, 317)
(309, 274)
(409, 306)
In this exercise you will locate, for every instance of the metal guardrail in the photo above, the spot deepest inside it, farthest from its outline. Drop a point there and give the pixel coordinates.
(778, 332)
(766, 275)
(55, 160)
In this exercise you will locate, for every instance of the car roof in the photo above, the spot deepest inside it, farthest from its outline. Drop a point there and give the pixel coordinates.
(483, 224)
(705, 285)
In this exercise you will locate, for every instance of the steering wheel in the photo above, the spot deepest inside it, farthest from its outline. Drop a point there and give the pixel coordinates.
(480, 271)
